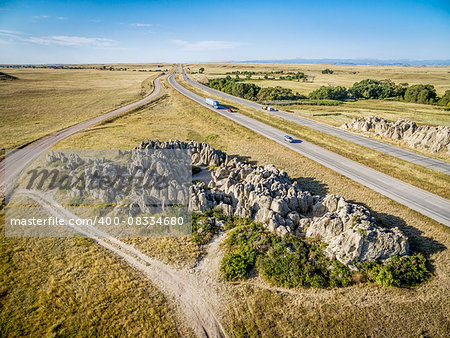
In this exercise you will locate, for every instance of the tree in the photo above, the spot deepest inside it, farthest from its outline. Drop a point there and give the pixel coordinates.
(201, 70)
(329, 93)
(327, 71)
(376, 89)
(421, 94)
(445, 100)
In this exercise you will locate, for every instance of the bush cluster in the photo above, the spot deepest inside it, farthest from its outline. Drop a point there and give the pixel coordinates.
(329, 93)
(420, 94)
(445, 100)
(251, 91)
(327, 71)
(400, 271)
(365, 89)
(283, 261)
(290, 261)
(382, 89)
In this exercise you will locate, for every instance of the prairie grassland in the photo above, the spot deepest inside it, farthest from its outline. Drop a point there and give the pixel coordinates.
(57, 287)
(342, 76)
(390, 110)
(252, 307)
(149, 67)
(419, 176)
(44, 101)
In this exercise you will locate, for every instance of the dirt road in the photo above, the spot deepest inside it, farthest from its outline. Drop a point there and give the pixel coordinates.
(197, 299)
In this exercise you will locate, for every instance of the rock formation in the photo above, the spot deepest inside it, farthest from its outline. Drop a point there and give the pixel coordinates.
(432, 139)
(263, 194)
(267, 195)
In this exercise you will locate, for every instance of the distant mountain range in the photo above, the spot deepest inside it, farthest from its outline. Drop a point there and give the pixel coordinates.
(358, 62)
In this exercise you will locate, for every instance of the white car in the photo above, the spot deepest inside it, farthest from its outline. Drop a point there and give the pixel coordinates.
(288, 138)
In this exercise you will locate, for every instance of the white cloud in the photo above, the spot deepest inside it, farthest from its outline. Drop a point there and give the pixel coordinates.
(40, 17)
(8, 32)
(61, 18)
(63, 40)
(56, 40)
(141, 24)
(207, 45)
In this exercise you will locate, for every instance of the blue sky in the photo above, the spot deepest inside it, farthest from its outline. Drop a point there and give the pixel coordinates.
(184, 31)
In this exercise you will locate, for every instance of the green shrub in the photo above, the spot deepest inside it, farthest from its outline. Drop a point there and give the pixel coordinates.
(250, 236)
(327, 71)
(202, 231)
(235, 266)
(400, 271)
(291, 263)
(339, 275)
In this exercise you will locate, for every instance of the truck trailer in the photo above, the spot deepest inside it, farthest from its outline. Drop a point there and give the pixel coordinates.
(212, 102)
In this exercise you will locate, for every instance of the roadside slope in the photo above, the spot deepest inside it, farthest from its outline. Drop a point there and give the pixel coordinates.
(417, 199)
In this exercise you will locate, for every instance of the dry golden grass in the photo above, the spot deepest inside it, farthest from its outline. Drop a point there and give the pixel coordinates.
(71, 287)
(390, 110)
(343, 75)
(44, 101)
(252, 307)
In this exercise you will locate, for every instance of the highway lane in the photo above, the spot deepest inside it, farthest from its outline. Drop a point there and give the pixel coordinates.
(400, 153)
(19, 159)
(426, 203)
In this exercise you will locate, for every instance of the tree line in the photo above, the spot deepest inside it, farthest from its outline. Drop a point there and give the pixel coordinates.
(365, 89)
(383, 89)
(251, 91)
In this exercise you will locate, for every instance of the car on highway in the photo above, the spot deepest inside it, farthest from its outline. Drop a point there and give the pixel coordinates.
(229, 110)
(288, 138)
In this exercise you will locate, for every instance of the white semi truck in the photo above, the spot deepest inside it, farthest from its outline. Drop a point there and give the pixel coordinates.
(212, 102)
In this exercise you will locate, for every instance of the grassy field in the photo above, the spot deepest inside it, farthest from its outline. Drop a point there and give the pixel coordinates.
(113, 295)
(253, 307)
(57, 287)
(43, 101)
(390, 110)
(342, 76)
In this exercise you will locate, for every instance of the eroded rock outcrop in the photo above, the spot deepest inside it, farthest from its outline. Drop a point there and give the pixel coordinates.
(432, 139)
(267, 195)
(263, 194)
